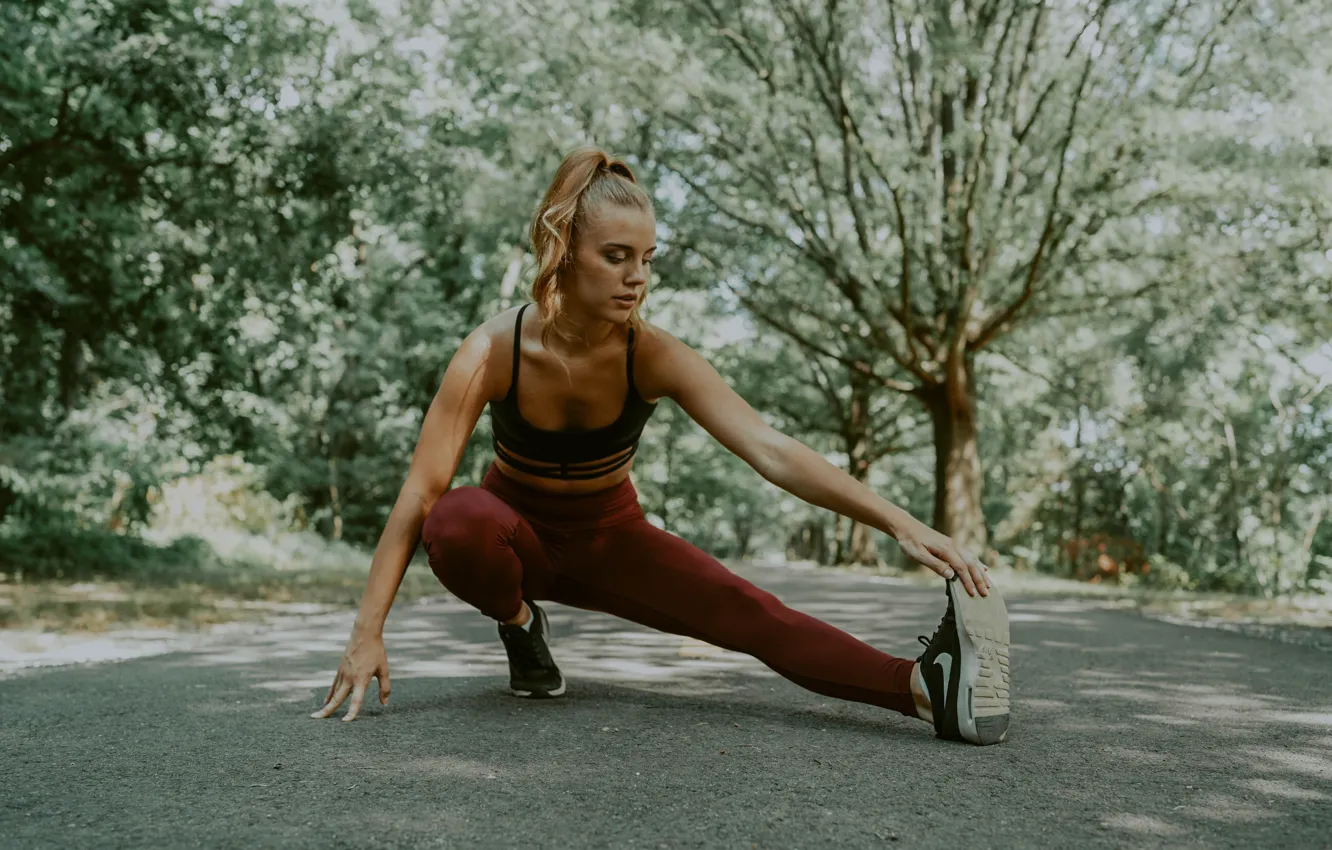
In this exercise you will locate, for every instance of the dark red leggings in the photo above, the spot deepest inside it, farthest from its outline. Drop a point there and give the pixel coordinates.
(493, 546)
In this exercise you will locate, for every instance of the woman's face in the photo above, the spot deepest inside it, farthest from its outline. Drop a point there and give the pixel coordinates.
(611, 257)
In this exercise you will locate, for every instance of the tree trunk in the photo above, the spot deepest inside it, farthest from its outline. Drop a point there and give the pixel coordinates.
(808, 542)
(957, 468)
(841, 541)
(334, 498)
(70, 368)
(1233, 492)
(742, 523)
(1076, 545)
(859, 547)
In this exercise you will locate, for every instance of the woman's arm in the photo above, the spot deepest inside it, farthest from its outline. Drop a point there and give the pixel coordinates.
(448, 424)
(463, 393)
(683, 375)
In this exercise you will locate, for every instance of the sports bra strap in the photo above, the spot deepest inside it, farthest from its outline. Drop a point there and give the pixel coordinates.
(630, 358)
(517, 354)
(517, 349)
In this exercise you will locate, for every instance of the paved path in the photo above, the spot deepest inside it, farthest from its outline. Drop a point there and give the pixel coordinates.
(1127, 733)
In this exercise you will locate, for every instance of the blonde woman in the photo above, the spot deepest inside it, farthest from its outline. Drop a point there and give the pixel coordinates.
(571, 378)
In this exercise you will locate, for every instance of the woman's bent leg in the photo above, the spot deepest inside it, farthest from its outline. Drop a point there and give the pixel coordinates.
(646, 575)
(484, 552)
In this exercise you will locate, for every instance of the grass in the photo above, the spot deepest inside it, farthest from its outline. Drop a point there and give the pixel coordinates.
(72, 580)
(202, 600)
(56, 576)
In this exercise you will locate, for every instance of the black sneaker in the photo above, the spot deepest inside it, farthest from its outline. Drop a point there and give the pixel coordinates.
(965, 668)
(532, 672)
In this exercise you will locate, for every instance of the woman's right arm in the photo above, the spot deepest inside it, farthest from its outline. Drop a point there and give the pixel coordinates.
(467, 385)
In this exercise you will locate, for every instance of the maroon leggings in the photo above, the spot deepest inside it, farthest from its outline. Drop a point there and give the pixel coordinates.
(493, 546)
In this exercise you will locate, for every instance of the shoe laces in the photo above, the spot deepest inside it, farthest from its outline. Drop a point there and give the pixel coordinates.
(948, 620)
(524, 644)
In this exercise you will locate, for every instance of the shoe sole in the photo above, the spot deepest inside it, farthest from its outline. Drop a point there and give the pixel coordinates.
(539, 694)
(982, 711)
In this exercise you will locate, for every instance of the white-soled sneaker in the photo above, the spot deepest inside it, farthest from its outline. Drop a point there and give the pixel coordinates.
(965, 667)
(532, 671)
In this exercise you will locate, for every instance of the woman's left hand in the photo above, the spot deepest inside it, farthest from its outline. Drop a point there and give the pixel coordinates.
(943, 555)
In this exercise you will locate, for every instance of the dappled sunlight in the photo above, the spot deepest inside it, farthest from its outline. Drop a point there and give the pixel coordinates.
(1281, 788)
(1269, 759)
(1212, 703)
(1303, 718)
(1212, 733)
(1147, 733)
(1143, 825)
(1228, 809)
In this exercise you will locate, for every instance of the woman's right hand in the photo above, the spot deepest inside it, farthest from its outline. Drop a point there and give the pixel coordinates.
(363, 660)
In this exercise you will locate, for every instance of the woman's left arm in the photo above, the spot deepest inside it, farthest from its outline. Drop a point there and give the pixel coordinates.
(676, 371)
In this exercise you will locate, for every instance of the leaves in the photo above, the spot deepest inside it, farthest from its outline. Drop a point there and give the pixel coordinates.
(1059, 275)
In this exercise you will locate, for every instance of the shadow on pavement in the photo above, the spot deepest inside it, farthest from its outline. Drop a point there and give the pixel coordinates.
(1127, 732)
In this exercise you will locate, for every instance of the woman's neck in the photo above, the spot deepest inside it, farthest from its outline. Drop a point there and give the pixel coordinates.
(579, 334)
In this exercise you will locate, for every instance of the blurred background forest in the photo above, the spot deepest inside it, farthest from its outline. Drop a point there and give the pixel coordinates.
(1052, 274)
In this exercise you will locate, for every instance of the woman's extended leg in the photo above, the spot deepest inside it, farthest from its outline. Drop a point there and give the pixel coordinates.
(641, 573)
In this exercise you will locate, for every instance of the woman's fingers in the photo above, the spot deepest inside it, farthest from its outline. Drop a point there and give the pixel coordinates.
(963, 572)
(972, 568)
(334, 701)
(979, 570)
(364, 660)
(357, 695)
(943, 555)
(332, 689)
(923, 556)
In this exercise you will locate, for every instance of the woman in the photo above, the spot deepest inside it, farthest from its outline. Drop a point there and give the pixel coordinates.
(570, 380)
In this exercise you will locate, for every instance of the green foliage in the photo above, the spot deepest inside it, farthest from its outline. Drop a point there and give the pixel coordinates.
(250, 236)
(54, 547)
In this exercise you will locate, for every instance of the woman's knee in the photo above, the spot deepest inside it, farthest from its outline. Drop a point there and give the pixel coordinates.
(466, 538)
(459, 515)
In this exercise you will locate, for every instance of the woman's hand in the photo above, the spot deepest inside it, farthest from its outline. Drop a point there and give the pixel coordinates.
(363, 660)
(941, 554)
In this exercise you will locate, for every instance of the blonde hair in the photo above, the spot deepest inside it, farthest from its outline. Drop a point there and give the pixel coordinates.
(587, 178)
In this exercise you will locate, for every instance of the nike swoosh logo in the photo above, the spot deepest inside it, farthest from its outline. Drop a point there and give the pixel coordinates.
(945, 662)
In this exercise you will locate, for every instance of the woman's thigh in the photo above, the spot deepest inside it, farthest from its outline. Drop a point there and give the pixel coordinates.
(641, 573)
(490, 555)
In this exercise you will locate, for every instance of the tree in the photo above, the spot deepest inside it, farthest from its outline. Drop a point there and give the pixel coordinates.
(930, 176)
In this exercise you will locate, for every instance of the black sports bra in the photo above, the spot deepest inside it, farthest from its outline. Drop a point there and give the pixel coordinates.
(576, 454)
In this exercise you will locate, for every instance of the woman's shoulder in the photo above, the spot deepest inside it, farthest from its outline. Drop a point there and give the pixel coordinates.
(653, 342)
(658, 359)
(496, 330)
(487, 350)
(654, 336)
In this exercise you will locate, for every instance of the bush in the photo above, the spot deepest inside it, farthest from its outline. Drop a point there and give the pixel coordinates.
(55, 548)
(1164, 574)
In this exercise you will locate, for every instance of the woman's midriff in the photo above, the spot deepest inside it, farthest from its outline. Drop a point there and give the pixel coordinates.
(564, 487)
(566, 512)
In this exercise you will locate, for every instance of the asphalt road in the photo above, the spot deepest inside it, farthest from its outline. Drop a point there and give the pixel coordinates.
(1126, 732)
